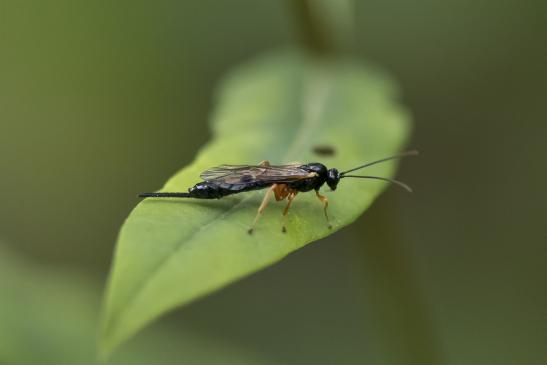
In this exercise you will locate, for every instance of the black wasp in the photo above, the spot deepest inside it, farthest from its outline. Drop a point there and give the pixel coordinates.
(284, 181)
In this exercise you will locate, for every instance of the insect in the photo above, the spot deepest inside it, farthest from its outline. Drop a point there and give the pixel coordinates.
(284, 181)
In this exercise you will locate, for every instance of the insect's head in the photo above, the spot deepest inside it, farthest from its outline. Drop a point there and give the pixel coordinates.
(333, 177)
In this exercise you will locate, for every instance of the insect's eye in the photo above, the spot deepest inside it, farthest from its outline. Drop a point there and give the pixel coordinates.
(333, 177)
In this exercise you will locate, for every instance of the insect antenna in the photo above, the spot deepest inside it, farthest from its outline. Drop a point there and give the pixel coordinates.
(400, 155)
(397, 182)
(164, 195)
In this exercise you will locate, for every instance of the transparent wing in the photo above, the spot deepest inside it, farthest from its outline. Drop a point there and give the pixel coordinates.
(242, 174)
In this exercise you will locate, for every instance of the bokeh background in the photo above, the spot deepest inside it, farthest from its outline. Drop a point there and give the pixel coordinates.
(103, 99)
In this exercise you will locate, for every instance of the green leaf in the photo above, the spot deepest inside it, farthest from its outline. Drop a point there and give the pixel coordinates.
(278, 108)
(49, 316)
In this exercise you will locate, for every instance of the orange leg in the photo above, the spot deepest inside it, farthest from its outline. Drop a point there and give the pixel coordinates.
(263, 206)
(290, 198)
(281, 191)
(325, 202)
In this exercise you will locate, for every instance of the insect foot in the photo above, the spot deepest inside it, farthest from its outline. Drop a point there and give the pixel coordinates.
(284, 229)
(250, 230)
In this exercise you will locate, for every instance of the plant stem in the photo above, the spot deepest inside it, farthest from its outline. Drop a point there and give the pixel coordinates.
(325, 26)
(398, 316)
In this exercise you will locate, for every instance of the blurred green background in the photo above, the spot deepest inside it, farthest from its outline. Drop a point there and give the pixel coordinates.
(101, 100)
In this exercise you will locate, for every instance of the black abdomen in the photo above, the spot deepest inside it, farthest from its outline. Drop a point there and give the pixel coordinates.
(210, 190)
